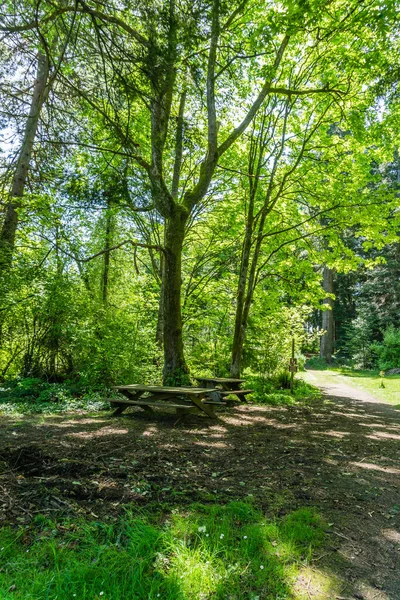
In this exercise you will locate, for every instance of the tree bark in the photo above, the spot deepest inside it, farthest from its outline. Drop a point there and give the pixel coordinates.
(108, 243)
(240, 326)
(10, 223)
(327, 340)
(160, 316)
(175, 370)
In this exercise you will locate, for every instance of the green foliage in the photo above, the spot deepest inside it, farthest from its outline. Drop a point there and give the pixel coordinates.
(358, 341)
(305, 392)
(282, 380)
(268, 390)
(81, 301)
(388, 351)
(33, 395)
(271, 330)
(202, 551)
(316, 362)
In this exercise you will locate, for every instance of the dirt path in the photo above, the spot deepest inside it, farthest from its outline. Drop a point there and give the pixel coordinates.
(336, 385)
(341, 456)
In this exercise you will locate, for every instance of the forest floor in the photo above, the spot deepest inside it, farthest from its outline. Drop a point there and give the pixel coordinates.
(340, 455)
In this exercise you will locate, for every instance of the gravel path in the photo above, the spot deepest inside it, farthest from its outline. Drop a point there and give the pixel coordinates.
(334, 384)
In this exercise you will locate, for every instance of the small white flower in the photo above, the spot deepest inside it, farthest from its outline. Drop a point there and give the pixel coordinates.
(207, 534)
(261, 566)
(202, 529)
(245, 537)
(221, 536)
(101, 594)
(27, 550)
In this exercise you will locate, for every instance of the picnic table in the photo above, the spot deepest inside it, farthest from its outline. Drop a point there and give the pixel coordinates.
(225, 386)
(185, 400)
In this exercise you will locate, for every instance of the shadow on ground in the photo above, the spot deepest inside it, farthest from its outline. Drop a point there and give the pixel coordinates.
(340, 456)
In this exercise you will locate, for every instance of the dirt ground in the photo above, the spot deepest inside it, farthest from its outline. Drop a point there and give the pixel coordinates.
(341, 456)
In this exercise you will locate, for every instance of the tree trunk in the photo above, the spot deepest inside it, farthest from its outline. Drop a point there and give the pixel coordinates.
(240, 326)
(109, 230)
(327, 340)
(175, 370)
(160, 316)
(10, 223)
(108, 242)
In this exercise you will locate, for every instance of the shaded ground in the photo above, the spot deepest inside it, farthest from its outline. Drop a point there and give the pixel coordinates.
(341, 456)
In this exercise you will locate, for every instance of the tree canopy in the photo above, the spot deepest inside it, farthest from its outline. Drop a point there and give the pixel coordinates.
(176, 176)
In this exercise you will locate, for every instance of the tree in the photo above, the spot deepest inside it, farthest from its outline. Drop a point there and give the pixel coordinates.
(173, 88)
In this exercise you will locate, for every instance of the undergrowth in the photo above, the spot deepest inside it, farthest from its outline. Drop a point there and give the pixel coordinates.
(204, 552)
(273, 390)
(32, 395)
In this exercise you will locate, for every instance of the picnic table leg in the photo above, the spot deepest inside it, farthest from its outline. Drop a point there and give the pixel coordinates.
(228, 387)
(147, 409)
(205, 408)
(119, 410)
(182, 412)
(121, 407)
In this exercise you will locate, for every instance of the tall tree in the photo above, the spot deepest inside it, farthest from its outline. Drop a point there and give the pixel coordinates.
(19, 179)
(164, 80)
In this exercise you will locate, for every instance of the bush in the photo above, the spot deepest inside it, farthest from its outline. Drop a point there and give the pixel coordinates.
(282, 380)
(388, 351)
(316, 362)
(32, 395)
(268, 390)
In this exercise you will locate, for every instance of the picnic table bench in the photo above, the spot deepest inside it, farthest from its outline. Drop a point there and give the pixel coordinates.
(225, 386)
(185, 400)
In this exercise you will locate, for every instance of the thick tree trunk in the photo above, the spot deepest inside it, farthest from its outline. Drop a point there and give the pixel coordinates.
(327, 340)
(10, 223)
(175, 369)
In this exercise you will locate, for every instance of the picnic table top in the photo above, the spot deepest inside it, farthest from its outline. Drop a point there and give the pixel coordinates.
(165, 389)
(221, 379)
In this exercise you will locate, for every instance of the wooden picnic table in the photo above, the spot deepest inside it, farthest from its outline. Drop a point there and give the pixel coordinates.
(224, 387)
(185, 400)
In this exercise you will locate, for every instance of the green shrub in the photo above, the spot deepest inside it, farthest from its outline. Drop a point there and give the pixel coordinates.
(316, 362)
(32, 395)
(388, 351)
(282, 380)
(268, 390)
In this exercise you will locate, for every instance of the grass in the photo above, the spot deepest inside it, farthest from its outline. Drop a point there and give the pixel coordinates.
(203, 552)
(370, 382)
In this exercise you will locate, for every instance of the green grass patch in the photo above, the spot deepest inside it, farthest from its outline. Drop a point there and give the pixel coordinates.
(370, 381)
(202, 552)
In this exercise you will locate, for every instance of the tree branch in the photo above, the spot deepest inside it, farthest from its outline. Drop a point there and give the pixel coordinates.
(85, 9)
